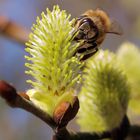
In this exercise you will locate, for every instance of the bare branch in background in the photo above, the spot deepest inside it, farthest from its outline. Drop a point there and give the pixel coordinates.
(13, 30)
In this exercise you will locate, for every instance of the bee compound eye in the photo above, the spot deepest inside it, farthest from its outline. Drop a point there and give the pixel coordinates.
(85, 27)
(80, 34)
(81, 17)
(91, 34)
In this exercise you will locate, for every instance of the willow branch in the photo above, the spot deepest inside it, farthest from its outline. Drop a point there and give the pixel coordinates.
(21, 100)
(10, 95)
(62, 134)
(134, 132)
(13, 30)
(89, 136)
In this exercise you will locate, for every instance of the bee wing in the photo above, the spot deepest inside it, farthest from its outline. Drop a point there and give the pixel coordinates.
(115, 28)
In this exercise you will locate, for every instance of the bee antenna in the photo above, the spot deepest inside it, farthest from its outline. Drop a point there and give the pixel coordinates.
(117, 33)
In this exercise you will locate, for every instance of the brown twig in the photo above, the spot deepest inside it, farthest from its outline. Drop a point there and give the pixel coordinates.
(121, 132)
(9, 93)
(62, 134)
(13, 30)
(21, 100)
(89, 136)
(133, 134)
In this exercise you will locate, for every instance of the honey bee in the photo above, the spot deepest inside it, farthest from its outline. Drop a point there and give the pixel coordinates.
(91, 29)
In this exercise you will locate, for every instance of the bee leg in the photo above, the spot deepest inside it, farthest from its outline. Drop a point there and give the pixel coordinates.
(96, 49)
(89, 55)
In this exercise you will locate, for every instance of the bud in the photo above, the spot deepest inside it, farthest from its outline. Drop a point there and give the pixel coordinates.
(65, 112)
(7, 92)
(24, 95)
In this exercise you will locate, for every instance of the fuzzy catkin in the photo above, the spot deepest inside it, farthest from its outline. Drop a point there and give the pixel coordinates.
(105, 94)
(51, 62)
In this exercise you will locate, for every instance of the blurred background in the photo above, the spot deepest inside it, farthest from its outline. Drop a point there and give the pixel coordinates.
(16, 124)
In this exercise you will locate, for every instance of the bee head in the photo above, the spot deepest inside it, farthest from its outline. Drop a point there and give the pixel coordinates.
(100, 19)
(87, 30)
